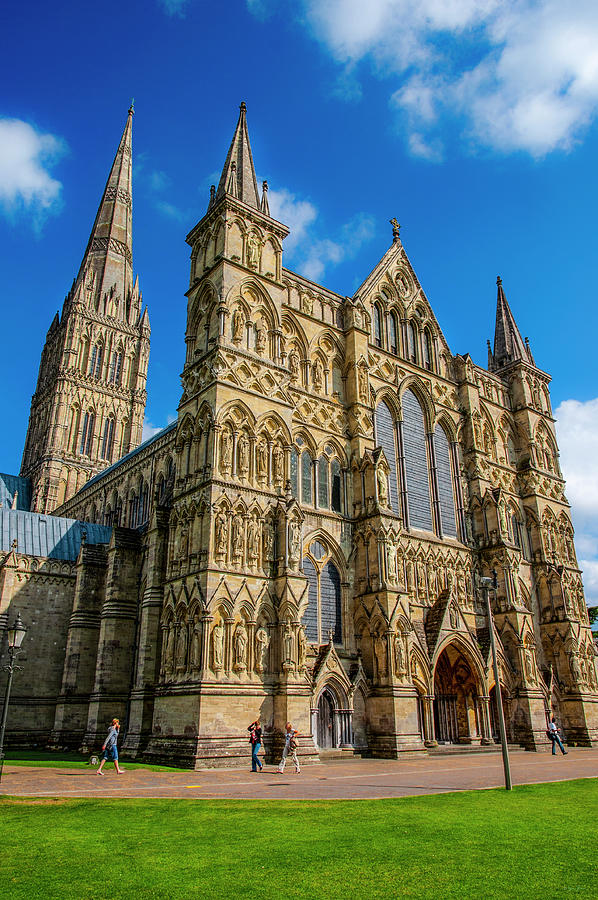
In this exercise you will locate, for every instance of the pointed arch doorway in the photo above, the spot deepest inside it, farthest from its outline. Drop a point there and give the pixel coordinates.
(325, 735)
(332, 720)
(458, 717)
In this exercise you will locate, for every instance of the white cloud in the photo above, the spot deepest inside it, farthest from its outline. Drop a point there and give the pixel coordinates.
(26, 155)
(149, 430)
(521, 75)
(174, 7)
(307, 252)
(577, 430)
(296, 214)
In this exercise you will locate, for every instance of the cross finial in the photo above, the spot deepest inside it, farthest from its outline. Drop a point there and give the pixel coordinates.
(498, 280)
(132, 107)
(396, 230)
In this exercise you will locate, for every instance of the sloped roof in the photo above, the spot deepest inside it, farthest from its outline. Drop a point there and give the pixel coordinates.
(130, 455)
(9, 485)
(47, 536)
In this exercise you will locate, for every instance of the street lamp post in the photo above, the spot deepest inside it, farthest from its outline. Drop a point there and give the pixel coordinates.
(15, 639)
(487, 585)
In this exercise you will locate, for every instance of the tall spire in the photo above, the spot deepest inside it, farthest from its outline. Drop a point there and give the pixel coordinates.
(108, 258)
(508, 343)
(238, 175)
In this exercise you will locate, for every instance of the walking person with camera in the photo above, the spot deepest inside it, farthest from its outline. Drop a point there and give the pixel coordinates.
(290, 749)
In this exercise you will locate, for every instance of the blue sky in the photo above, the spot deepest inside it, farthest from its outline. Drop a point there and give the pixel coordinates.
(473, 122)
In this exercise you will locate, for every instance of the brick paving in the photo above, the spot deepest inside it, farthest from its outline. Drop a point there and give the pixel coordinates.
(333, 780)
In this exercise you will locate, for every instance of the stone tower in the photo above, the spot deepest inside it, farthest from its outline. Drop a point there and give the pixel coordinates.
(88, 406)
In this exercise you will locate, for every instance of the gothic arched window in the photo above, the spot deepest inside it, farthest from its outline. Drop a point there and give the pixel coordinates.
(116, 367)
(393, 334)
(411, 342)
(386, 438)
(307, 492)
(416, 463)
(336, 486)
(428, 350)
(95, 362)
(323, 494)
(377, 325)
(323, 615)
(87, 434)
(108, 439)
(445, 482)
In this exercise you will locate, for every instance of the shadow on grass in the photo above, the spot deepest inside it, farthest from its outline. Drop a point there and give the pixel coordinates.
(62, 759)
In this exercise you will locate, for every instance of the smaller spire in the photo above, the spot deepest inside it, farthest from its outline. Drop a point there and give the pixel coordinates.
(264, 205)
(508, 343)
(212, 196)
(238, 175)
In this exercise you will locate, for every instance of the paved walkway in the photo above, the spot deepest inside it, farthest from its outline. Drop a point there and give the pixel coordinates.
(342, 780)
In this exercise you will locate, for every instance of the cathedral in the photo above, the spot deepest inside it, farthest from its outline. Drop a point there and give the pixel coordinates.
(306, 541)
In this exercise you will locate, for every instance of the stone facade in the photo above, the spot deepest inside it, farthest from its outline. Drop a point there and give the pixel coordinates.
(305, 542)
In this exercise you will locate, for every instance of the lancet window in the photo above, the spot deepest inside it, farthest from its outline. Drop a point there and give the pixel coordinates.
(87, 434)
(108, 439)
(323, 615)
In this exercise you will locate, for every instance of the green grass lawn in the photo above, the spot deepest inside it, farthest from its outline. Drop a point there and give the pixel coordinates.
(535, 842)
(63, 760)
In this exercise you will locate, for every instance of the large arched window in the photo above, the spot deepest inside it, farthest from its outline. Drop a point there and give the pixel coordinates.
(385, 438)
(416, 463)
(323, 492)
(323, 615)
(444, 475)
(336, 486)
(116, 366)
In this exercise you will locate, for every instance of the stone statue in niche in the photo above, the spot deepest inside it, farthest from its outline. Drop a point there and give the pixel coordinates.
(181, 648)
(380, 654)
(391, 556)
(502, 518)
(169, 649)
(240, 647)
(529, 665)
(277, 461)
(262, 641)
(382, 483)
(184, 542)
(237, 537)
(403, 284)
(218, 645)
(268, 542)
(238, 325)
(363, 384)
(243, 454)
(317, 375)
(294, 364)
(288, 644)
(307, 304)
(253, 544)
(294, 541)
(454, 616)
(196, 646)
(399, 654)
(301, 648)
(221, 529)
(226, 451)
(252, 251)
(260, 337)
(262, 459)
(575, 667)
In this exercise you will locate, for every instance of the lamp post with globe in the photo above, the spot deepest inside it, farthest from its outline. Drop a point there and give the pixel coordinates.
(15, 635)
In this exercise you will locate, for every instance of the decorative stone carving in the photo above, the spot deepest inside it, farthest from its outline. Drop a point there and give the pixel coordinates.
(262, 459)
(238, 326)
(307, 304)
(277, 462)
(221, 534)
(243, 455)
(294, 364)
(237, 538)
(252, 251)
(260, 338)
(391, 558)
(399, 655)
(294, 541)
(226, 451)
(195, 656)
(288, 645)
(317, 375)
(362, 377)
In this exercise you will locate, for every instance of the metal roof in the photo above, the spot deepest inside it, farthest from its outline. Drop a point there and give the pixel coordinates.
(9, 485)
(130, 455)
(48, 536)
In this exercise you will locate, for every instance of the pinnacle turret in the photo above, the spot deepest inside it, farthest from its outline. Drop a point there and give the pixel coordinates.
(509, 346)
(238, 175)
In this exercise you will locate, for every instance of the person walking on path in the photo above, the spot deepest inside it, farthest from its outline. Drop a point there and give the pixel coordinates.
(553, 734)
(255, 739)
(290, 749)
(110, 750)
